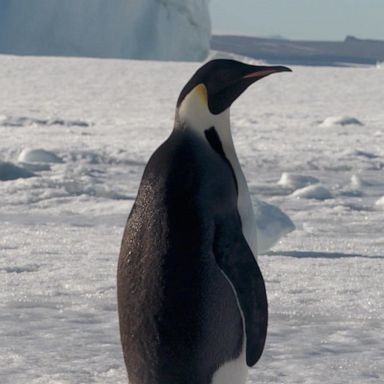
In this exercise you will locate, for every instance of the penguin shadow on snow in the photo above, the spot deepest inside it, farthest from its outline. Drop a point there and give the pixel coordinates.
(320, 255)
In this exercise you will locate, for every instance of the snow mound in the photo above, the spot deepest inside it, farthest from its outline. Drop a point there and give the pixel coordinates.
(38, 156)
(293, 181)
(147, 29)
(380, 203)
(271, 225)
(340, 120)
(9, 171)
(316, 192)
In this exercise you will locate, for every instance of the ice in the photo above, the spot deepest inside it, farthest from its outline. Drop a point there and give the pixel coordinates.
(340, 120)
(9, 171)
(358, 182)
(294, 182)
(61, 230)
(317, 192)
(38, 156)
(271, 225)
(147, 29)
(366, 154)
(22, 269)
(21, 121)
(380, 203)
(214, 55)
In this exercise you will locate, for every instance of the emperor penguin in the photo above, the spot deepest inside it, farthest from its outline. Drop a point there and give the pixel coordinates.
(192, 302)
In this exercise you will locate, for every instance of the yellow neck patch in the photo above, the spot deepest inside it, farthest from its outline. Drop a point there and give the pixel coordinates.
(202, 92)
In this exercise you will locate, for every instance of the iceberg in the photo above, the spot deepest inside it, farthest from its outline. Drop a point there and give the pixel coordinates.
(147, 29)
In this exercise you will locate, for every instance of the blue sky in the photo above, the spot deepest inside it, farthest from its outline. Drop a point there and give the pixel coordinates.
(300, 19)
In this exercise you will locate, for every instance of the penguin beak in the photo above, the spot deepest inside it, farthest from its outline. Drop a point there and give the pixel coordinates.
(264, 71)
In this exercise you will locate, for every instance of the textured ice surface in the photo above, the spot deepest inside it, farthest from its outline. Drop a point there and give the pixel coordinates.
(145, 29)
(21, 121)
(61, 230)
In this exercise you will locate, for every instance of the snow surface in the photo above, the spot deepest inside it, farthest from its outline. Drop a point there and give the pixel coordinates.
(61, 230)
(145, 29)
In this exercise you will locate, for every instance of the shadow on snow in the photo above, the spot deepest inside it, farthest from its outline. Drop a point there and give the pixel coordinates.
(320, 255)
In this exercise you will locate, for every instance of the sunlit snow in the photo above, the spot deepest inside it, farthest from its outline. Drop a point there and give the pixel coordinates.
(61, 229)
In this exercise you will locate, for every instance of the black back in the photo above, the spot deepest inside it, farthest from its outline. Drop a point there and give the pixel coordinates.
(179, 317)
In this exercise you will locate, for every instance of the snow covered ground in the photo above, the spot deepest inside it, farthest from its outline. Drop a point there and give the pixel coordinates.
(97, 122)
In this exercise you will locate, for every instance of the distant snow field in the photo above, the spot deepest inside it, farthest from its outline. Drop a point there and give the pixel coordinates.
(75, 137)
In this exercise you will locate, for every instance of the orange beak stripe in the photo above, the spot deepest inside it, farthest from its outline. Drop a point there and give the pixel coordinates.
(257, 74)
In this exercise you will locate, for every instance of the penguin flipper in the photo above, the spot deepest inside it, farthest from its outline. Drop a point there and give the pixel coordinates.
(236, 260)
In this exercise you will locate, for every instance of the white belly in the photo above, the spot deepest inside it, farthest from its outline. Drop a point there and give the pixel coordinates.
(232, 372)
(244, 205)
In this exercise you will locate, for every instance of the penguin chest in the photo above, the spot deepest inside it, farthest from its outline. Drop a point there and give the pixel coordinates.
(232, 372)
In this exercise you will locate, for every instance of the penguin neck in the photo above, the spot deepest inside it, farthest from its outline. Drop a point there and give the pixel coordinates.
(194, 115)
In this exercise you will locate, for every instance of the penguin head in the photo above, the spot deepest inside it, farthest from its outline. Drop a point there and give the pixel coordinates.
(217, 84)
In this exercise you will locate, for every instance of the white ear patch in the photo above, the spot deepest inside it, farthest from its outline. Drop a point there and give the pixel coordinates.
(195, 113)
